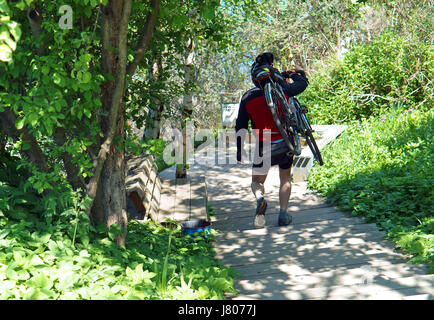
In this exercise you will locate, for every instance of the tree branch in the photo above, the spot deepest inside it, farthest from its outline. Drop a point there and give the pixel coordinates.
(34, 152)
(145, 37)
(72, 170)
(35, 25)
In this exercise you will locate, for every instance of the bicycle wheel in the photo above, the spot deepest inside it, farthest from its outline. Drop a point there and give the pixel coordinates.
(282, 118)
(306, 132)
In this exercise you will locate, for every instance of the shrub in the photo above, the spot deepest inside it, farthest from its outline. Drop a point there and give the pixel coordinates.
(371, 78)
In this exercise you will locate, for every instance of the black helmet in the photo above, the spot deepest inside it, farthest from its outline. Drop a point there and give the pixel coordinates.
(265, 58)
(261, 68)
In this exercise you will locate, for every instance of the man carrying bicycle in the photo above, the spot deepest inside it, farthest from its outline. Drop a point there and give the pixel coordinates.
(254, 108)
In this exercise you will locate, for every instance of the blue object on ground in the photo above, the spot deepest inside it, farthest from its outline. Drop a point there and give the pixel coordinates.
(193, 226)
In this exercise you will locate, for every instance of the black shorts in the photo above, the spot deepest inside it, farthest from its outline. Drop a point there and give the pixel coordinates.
(284, 160)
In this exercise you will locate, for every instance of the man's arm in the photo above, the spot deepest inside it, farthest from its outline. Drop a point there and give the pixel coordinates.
(241, 123)
(298, 86)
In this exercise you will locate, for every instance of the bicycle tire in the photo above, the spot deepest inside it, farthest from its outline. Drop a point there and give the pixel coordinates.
(306, 131)
(313, 147)
(274, 102)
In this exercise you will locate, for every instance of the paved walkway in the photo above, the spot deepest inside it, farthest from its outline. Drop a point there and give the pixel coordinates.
(323, 254)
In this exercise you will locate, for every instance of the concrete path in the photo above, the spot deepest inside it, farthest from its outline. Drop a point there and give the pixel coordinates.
(323, 254)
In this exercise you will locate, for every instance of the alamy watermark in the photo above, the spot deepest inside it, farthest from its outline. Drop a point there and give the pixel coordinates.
(65, 21)
(216, 148)
(368, 275)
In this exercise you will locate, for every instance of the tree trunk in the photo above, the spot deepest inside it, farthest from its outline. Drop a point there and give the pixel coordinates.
(156, 109)
(109, 186)
(112, 187)
(106, 187)
(71, 169)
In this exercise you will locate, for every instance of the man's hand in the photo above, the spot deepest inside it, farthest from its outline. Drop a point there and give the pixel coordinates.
(287, 74)
(298, 68)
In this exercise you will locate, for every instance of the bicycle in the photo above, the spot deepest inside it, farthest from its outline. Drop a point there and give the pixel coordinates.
(290, 118)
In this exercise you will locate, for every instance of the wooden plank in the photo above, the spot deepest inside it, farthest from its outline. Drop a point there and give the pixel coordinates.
(198, 199)
(319, 251)
(153, 212)
(144, 173)
(182, 201)
(167, 200)
(133, 164)
(151, 181)
(151, 202)
(313, 229)
(137, 183)
(293, 227)
(137, 176)
(156, 195)
(302, 239)
(141, 178)
(303, 281)
(149, 190)
(381, 289)
(294, 205)
(314, 264)
(246, 222)
(273, 209)
(132, 177)
(135, 187)
(146, 165)
(248, 201)
(149, 186)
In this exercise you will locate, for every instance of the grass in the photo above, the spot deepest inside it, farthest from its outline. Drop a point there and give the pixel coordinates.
(381, 169)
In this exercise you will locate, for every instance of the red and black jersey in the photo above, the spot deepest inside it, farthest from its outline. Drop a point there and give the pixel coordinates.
(254, 108)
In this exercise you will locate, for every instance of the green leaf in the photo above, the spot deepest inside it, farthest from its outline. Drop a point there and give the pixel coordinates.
(4, 233)
(49, 127)
(57, 79)
(11, 274)
(14, 29)
(36, 260)
(5, 53)
(41, 281)
(32, 119)
(86, 77)
(25, 145)
(69, 296)
(45, 69)
(87, 113)
(4, 7)
(19, 124)
(97, 102)
(67, 280)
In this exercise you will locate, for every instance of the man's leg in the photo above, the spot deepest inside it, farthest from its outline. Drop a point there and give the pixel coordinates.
(258, 181)
(284, 193)
(285, 187)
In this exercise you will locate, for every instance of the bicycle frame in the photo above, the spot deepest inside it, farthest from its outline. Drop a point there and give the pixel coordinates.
(294, 119)
(268, 88)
